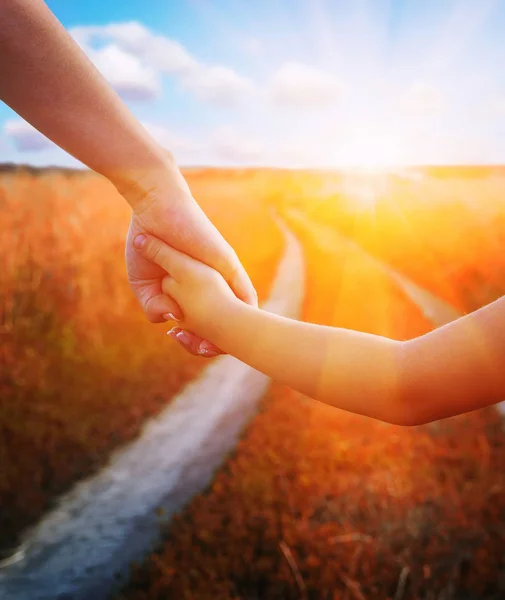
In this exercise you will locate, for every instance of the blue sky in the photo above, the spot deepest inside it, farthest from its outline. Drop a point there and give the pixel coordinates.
(296, 82)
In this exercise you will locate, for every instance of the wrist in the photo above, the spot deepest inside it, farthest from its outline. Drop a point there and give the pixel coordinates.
(146, 184)
(224, 323)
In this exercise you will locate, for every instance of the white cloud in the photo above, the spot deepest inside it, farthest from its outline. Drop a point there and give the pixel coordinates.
(157, 51)
(25, 137)
(169, 56)
(126, 74)
(422, 98)
(231, 146)
(181, 146)
(135, 58)
(299, 85)
(219, 85)
(130, 34)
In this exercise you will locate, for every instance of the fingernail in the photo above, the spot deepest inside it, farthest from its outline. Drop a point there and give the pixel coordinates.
(170, 317)
(205, 347)
(139, 241)
(207, 353)
(183, 337)
(173, 332)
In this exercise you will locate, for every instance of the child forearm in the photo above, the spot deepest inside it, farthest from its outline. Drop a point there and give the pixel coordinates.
(451, 370)
(353, 371)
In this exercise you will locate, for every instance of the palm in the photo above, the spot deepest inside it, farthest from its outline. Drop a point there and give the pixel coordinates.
(145, 277)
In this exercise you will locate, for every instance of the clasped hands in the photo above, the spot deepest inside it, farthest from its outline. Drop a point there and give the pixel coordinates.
(165, 211)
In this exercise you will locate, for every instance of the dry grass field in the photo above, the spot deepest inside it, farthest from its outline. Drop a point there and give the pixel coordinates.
(315, 503)
(80, 367)
(442, 228)
(320, 504)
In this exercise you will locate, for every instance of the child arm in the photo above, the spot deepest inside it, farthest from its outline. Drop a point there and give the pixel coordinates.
(454, 369)
(457, 368)
(354, 371)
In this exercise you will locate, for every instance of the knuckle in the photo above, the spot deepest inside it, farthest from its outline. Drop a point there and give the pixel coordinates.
(234, 271)
(154, 251)
(166, 284)
(228, 265)
(208, 276)
(152, 315)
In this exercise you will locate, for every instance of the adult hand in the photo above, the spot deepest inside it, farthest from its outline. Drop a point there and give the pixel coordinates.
(166, 209)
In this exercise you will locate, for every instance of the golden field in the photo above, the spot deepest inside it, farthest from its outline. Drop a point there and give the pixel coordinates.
(80, 366)
(315, 503)
(444, 228)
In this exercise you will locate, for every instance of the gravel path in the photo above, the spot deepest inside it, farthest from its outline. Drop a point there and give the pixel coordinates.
(111, 519)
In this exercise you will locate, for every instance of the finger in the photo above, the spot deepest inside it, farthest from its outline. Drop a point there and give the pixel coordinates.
(171, 288)
(208, 349)
(185, 339)
(194, 344)
(228, 264)
(201, 242)
(189, 341)
(219, 255)
(145, 281)
(241, 284)
(161, 308)
(171, 260)
(157, 306)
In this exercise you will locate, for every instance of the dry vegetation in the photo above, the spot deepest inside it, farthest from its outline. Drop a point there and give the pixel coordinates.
(442, 228)
(80, 367)
(315, 503)
(320, 504)
(345, 288)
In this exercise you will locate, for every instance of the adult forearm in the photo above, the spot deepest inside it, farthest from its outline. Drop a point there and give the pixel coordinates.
(350, 370)
(47, 79)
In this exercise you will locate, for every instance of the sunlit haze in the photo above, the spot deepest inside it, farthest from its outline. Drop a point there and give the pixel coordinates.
(360, 84)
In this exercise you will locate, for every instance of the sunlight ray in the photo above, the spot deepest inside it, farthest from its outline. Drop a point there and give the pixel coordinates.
(456, 32)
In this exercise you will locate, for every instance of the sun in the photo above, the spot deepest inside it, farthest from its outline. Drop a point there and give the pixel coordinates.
(367, 156)
(372, 148)
(364, 187)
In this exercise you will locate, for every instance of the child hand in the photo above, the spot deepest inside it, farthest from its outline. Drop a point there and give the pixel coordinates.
(200, 291)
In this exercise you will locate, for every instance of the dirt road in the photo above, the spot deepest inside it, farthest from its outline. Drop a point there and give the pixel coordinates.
(113, 518)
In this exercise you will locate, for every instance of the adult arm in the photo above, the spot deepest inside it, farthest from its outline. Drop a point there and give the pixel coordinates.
(47, 79)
